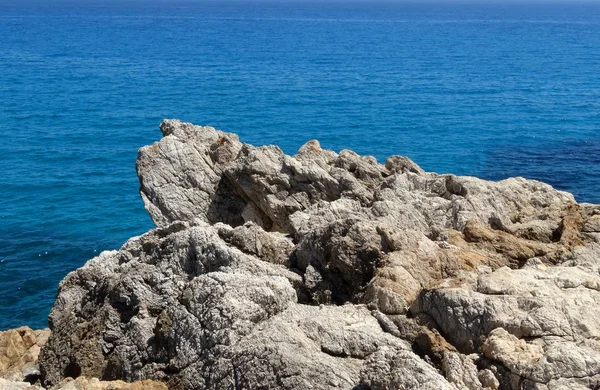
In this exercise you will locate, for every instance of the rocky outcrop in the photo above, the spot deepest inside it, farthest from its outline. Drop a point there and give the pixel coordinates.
(329, 270)
(19, 351)
(83, 383)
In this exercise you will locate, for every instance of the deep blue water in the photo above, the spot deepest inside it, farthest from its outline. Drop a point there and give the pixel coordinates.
(486, 90)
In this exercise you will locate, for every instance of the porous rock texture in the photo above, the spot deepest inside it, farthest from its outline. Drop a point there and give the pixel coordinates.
(19, 351)
(329, 270)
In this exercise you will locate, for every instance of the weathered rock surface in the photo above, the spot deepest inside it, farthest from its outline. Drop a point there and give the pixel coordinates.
(19, 351)
(327, 270)
(83, 383)
(6, 384)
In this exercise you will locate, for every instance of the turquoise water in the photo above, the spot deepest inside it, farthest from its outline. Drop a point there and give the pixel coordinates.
(486, 90)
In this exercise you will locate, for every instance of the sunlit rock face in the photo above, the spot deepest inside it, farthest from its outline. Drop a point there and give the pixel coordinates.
(329, 270)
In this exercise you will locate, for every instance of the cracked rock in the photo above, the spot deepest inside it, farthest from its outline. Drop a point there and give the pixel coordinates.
(329, 270)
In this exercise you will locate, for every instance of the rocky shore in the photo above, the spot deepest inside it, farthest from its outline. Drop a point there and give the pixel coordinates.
(325, 270)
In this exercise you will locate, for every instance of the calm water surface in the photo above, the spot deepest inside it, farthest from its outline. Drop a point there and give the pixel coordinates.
(486, 90)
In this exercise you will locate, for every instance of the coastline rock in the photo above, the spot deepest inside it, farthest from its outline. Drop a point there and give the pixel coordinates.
(83, 383)
(329, 270)
(540, 323)
(17, 385)
(180, 305)
(19, 351)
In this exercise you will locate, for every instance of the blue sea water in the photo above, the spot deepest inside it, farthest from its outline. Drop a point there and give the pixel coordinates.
(481, 89)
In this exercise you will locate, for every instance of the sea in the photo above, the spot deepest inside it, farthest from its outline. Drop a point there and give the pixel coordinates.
(486, 89)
